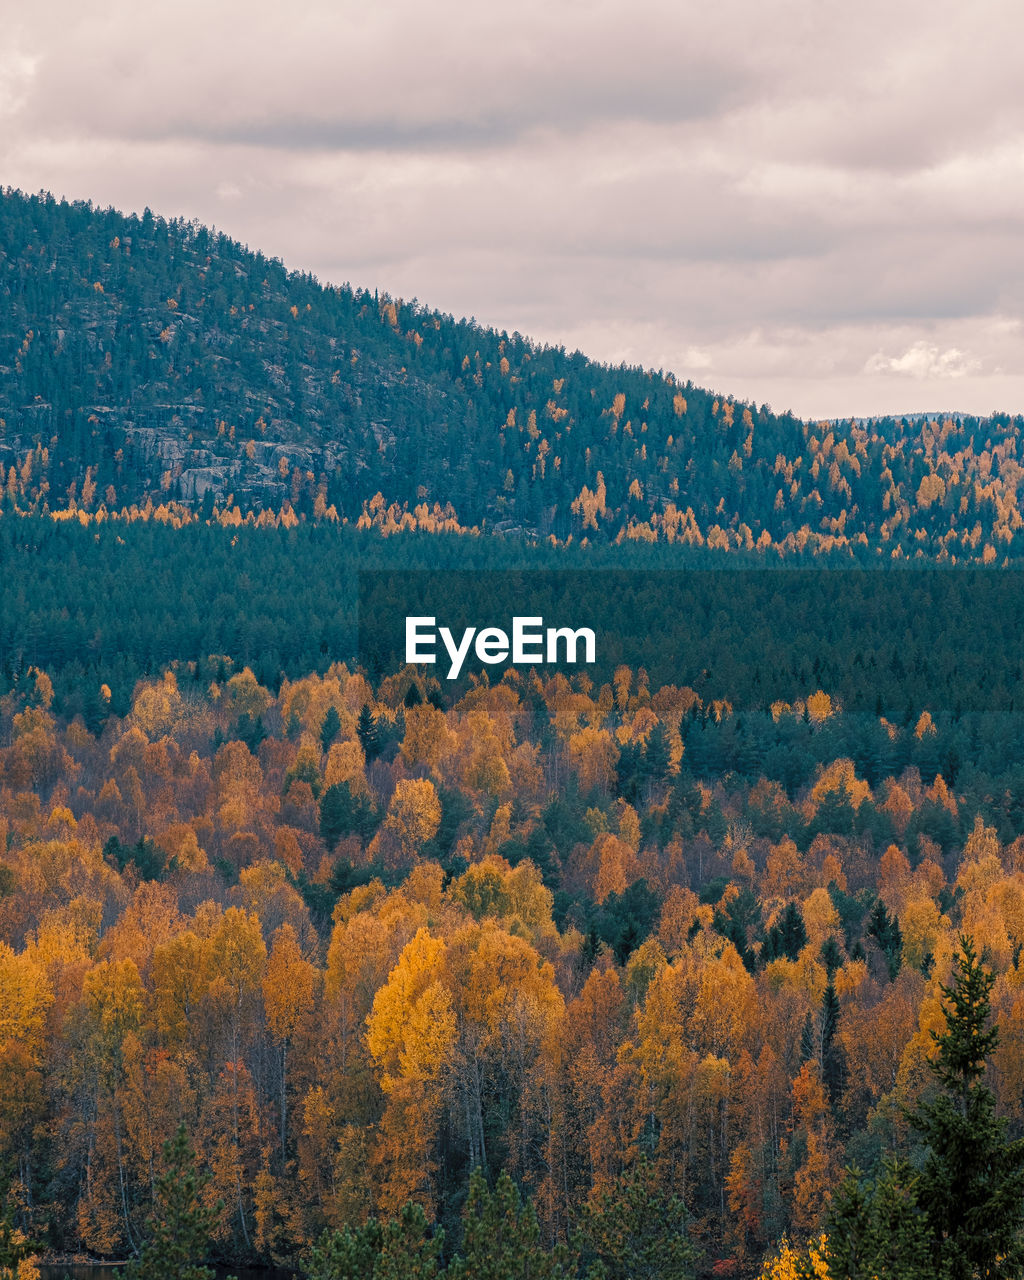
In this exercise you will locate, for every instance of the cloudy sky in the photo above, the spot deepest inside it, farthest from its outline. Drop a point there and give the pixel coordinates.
(811, 204)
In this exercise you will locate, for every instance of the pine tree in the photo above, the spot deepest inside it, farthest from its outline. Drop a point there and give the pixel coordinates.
(348, 1254)
(502, 1237)
(181, 1225)
(410, 1249)
(406, 1248)
(637, 1231)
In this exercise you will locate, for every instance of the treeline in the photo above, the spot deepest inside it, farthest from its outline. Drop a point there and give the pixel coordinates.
(113, 602)
(146, 360)
(361, 945)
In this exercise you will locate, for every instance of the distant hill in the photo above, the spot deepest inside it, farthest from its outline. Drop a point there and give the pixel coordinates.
(142, 359)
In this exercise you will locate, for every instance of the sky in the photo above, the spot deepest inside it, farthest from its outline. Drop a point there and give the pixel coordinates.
(815, 206)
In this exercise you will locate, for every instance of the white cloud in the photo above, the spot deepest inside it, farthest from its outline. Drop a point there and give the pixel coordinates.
(925, 360)
(17, 70)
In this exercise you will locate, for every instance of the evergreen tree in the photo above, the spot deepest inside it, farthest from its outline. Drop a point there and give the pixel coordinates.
(502, 1237)
(962, 1216)
(250, 730)
(347, 1254)
(406, 1248)
(369, 733)
(833, 1063)
(787, 937)
(972, 1184)
(16, 1251)
(885, 929)
(831, 956)
(879, 1231)
(637, 1231)
(343, 814)
(656, 757)
(329, 727)
(410, 1249)
(181, 1224)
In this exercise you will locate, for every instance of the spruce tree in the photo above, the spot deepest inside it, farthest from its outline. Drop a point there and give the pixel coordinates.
(833, 1062)
(962, 1216)
(878, 1231)
(831, 957)
(368, 731)
(657, 756)
(885, 929)
(972, 1183)
(329, 727)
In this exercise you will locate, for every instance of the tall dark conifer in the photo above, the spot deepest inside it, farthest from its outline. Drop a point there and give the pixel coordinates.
(962, 1216)
(972, 1184)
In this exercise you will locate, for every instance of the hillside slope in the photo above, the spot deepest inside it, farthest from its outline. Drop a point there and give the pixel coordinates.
(143, 359)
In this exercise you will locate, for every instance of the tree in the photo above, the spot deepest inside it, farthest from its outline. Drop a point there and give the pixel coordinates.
(181, 1225)
(787, 937)
(972, 1183)
(348, 1254)
(289, 994)
(410, 1033)
(342, 813)
(406, 1248)
(829, 1049)
(637, 1231)
(885, 929)
(17, 1252)
(962, 1216)
(410, 1249)
(329, 727)
(368, 731)
(502, 1238)
(879, 1231)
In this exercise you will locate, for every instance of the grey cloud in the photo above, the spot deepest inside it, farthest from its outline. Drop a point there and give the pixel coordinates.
(395, 75)
(792, 202)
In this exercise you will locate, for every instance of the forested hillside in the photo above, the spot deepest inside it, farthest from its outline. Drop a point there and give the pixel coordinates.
(144, 360)
(314, 959)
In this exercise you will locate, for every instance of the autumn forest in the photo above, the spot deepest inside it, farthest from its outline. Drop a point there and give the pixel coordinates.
(706, 961)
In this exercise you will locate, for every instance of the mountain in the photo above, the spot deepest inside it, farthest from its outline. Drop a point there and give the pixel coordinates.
(151, 360)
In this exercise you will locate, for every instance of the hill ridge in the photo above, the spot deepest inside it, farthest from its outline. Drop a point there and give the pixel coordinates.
(146, 359)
